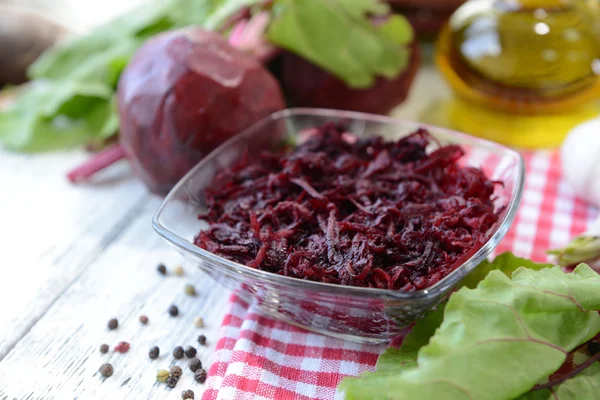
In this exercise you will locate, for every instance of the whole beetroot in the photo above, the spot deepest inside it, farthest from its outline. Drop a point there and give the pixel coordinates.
(307, 85)
(183, 94)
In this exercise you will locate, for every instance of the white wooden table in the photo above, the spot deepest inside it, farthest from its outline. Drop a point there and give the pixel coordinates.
(72, 257)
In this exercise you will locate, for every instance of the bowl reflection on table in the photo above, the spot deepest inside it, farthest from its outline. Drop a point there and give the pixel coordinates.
(354, 313)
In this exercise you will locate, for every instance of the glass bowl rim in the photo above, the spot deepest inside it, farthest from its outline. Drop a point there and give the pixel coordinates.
(438, 288)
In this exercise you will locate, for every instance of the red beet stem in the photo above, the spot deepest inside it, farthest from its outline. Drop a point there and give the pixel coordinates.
(97, 163)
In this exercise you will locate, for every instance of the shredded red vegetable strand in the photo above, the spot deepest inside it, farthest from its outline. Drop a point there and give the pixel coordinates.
(359, 212)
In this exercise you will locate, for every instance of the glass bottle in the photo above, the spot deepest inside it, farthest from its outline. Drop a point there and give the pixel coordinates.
(531, 58)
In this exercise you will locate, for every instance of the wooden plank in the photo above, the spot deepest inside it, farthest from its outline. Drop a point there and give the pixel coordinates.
(59, 357)
(52, 230)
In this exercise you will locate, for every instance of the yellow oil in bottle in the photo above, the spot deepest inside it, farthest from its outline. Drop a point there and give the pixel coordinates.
(525, 71)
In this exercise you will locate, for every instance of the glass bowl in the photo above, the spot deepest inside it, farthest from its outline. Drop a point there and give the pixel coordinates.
(354, 313)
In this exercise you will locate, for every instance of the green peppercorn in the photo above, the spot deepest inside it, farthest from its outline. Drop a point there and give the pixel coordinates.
(104, 348)
(106, 370)
(179, 270)
(162, 375)
(189, 289)
(187, 394)
(178, 352)
(113, 324)
(199, 322)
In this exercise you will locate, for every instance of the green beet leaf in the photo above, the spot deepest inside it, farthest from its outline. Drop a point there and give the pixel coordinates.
(424, 329)
(58, 114)
(338, 36)
(496, 341)
(506, 262)
(581, 249)
(100, 53)
(583, 386)
(406, 356)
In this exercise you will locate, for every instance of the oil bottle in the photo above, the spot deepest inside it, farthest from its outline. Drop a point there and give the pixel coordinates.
(524, 71)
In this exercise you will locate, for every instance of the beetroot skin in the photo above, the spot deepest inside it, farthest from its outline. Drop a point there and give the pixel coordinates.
(183, 94)
(307, 85)
(354, 212)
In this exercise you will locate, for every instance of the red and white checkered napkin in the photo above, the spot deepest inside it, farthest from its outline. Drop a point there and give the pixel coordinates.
(260, 358)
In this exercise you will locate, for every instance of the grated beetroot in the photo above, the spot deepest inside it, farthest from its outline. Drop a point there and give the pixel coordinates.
(359, 212)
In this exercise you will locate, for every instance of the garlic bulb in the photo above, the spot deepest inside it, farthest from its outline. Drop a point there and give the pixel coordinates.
(581, 160)
(580, 155)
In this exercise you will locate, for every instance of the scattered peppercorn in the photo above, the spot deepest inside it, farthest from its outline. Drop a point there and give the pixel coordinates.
(593, 348)
(143, 319)
(104, 348)
(154, 352)
(122, 347)
(173, 310)
(106, 370)
(161, 269)
(190, 352)
(176, 371)
(195, 364)
(162, 375)
(189, 289)
(113, 324)
(179, 270)
(200, 376)
(187, 394)
(202, 340)
(178, 352)
(172, 382)
(199, 322)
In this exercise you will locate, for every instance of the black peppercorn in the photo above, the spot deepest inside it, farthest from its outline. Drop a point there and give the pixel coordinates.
(187, 394)
(154, 352)
(190, 352)
(106, 370)
(143, 319)
(161, 269)
(113, 324)
(202, 340)
(176, 371)
(195, 364)
(200, 376)
(173, 310)
(104, 348)
(178, 352)
(593, 348)
(172, 382)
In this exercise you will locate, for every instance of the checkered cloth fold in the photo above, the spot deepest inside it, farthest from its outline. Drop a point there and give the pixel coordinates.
(260, 358)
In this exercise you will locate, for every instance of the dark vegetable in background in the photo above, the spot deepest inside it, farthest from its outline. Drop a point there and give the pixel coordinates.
(24, 35)
(426, 16)
(307, 85)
